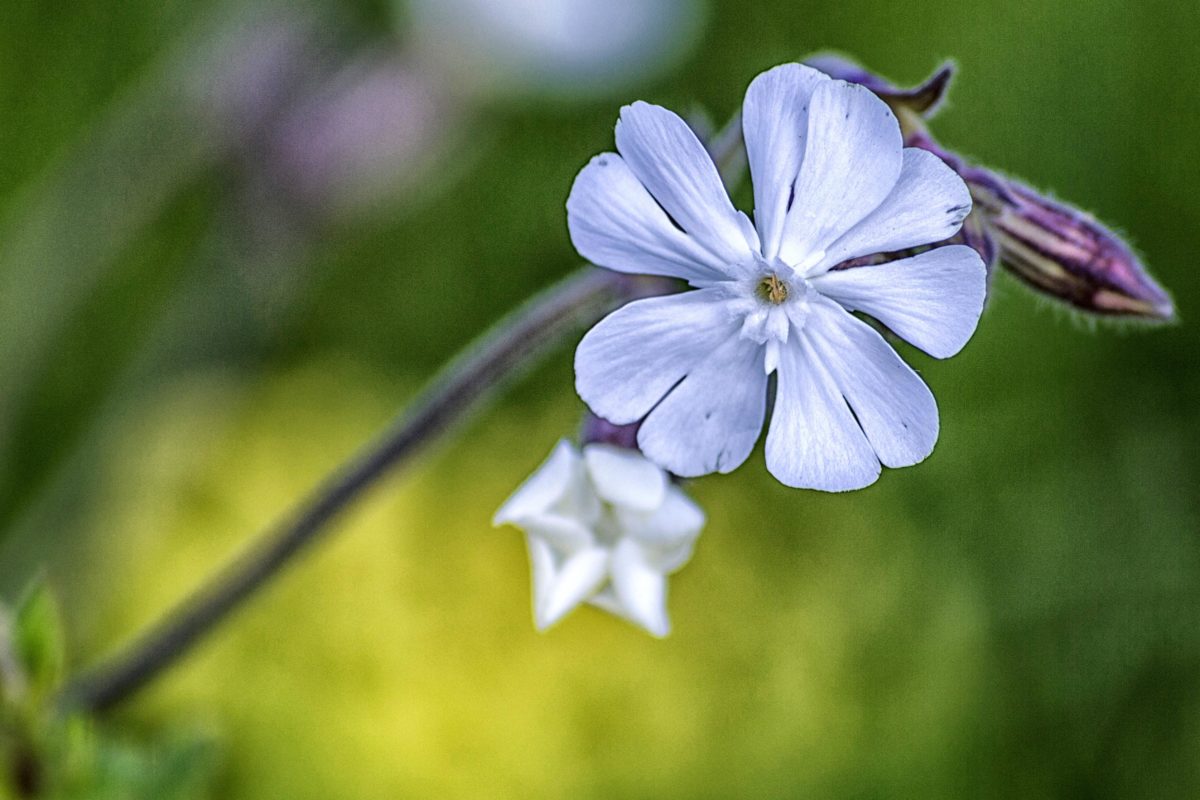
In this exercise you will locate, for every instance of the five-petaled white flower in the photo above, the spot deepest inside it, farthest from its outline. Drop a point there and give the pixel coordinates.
(832, 182)
(607, 527)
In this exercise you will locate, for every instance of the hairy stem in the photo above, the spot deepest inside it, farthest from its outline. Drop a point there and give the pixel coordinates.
(498, 355)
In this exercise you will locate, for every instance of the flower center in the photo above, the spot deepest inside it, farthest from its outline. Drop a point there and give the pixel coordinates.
(772, 290)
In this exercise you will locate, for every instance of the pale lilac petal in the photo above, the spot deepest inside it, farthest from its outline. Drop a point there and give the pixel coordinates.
(640, 589)
(676, 521)
(577, 579)
(606, 600)
(927, 205)
(711, 420)
(668, 159)
(543, 565)
(580, 502)
(814, 441)
(893, 405)
(615, 223)
(932, 300)
(625, 478)
(851, 162)
(632, 358)
(548, 484)
(669, 559)
(565, 534)
(775, 126)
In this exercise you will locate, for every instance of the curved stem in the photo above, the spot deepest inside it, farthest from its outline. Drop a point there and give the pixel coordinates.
(498, 355)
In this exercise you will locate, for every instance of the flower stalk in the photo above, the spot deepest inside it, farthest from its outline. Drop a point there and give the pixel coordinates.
(490, 362)
(494, 359)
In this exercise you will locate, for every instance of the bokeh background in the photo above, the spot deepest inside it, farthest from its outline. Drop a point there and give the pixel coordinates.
(236, 237)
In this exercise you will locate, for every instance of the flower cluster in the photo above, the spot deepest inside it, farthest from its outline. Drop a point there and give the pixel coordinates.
(862, 226)
(833, 182)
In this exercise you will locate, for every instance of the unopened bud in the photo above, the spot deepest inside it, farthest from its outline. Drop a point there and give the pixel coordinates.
(1057, 249)
(599, 430)
(976, 233)
(922, 99)
(1066, 253)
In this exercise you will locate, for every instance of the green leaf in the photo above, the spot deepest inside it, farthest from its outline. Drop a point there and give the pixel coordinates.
(38, 639)
(85, 762)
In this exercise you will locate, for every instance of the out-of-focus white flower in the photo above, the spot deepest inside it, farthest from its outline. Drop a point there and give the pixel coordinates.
(605, 526)
(832, 182)
(557, 46)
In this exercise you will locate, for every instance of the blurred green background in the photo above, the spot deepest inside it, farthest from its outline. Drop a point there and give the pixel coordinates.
(224, 264)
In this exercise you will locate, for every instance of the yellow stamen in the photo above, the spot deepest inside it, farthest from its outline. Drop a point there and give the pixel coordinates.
(772, 289)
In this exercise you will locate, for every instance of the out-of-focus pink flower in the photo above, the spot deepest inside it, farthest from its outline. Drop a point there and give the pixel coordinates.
(364, 134)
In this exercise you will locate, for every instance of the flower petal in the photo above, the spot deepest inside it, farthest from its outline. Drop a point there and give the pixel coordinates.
(543, 565)
(893, 405)
(814, 441)
(775, 126)
(927, 205)
(606, 599)
(711, 420)
(578, 578)
(614, 222)
(678, 520)
(625, 478)
(640, 589)
(632, 357)
(669, 559)
(548, 484)
(851, 162)
(932, 300)
(566, 535)
(665, 155)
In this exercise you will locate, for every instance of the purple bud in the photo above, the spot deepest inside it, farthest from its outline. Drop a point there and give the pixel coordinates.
(1057, 249)
(923, 99)
(1066, 253)
(976, 233)
(598, 429)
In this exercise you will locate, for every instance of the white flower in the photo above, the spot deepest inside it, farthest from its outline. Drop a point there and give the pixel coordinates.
(556, 46)
(607, 527)
(832, 182)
